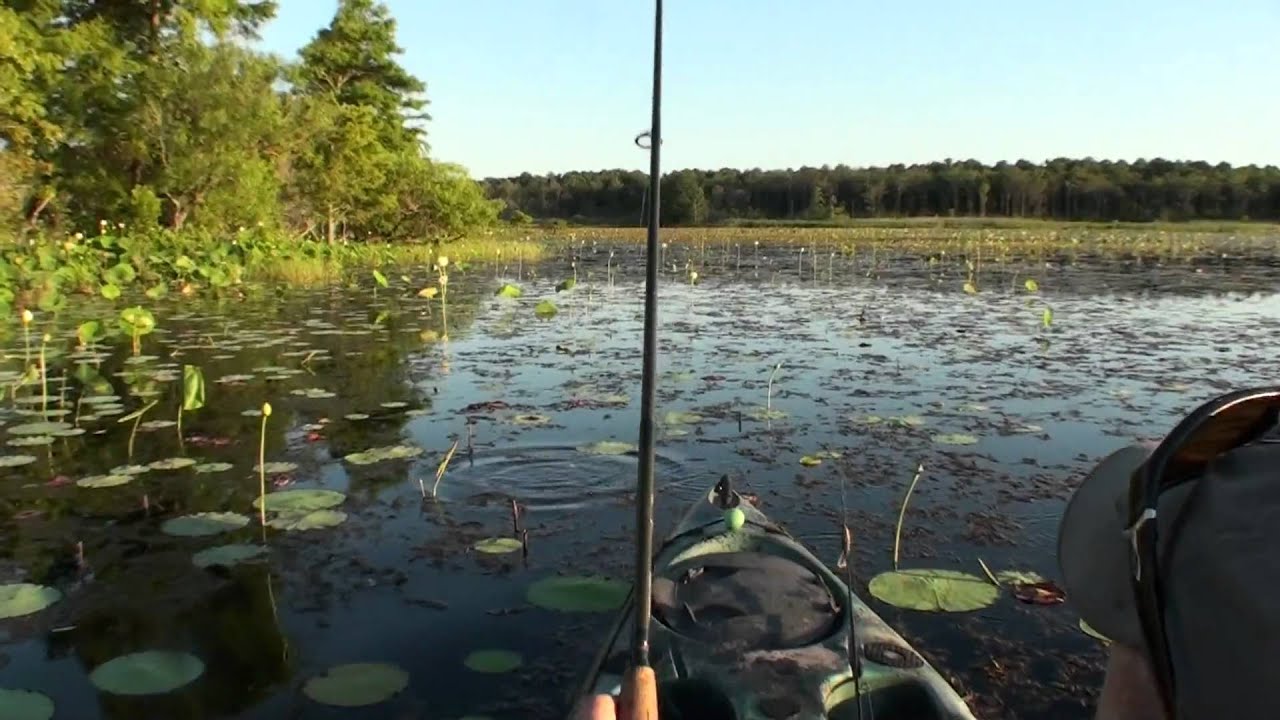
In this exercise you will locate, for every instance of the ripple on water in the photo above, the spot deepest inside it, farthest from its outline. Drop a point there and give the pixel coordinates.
(554, 477)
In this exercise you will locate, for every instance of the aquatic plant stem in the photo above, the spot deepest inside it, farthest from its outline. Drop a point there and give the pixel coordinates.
(444, 465)
(902, 512)
(768, 396)
(262, 468)
(44, 380)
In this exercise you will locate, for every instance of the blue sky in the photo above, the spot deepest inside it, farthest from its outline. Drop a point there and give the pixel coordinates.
(556, 85)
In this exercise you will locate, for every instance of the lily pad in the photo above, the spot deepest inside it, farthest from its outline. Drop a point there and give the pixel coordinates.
(1019, 577)
(39, 428)
(607, 447)
(9, 461)
(104, 481)
(18, 599)
(30, 441)
(810, 460)
(545, 309)
(911, 421)
(201, 524)
(24, 705)
(300, 501)
(577, 594)
(356, 416)
(356, 684)
(680, 417)
(130, 470)
(955, 439)
(213, 467)
(277, 467)
(380, 454)
(498, 545)
(509, 291)
(933, 590)
(156, 425)
(227, 555)
(315, 520)
(531, 419)
(493, 661)
(147, 673)
(173, 463)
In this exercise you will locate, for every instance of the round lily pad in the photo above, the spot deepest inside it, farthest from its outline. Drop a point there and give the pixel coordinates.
(130, 470)
(933, 590)
(173, 463)
(1019, 577)
(356, 416)
(18, 599)
(69, 432)
(356, 684)
(314, 520)
(498, 545)
(147, 673)
(379, 454)
(156, 425)
(679, 417)
(275, 468)
(227, 555)
(493, 661)
(200, 524)
(531, 419)
(300, 500)
(8, 461)
(213, 467)
(39, 428)
(30, 441)
(394, 404)
(607, 447)
(955, 439)
(577, 594)
(24, 705)
(104, 481)
(810, 460)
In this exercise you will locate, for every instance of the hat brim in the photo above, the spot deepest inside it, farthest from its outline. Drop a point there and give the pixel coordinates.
(1093, 550)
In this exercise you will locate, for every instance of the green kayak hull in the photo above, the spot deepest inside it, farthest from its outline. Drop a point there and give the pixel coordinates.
(749, 625)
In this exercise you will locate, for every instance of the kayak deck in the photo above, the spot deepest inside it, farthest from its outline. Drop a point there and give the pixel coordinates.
(748, 624)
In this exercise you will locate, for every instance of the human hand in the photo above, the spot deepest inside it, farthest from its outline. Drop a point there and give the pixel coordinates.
(595, 707)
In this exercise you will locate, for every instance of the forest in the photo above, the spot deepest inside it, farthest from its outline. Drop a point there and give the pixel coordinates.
(1060, 189)
(160, 114)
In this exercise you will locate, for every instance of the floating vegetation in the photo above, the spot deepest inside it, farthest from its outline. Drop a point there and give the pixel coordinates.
(607, 447)
(493, 661)
(212, 467)
(228, 555)
(578, 594)
(933, 590)
(303, 520)
(153, 672)
(509, 291)
(12, 461)
(955, 439)
(276, 467)
(104, 481)
(545, 309)
(381, 454)
(173, 463)
(498, 545)
(25, 705)
(299, 500)
(357, 684)
(531, 419)
(18, 599)
(205, 523)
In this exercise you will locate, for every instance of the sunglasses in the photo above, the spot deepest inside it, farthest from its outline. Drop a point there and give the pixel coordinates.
(1219, 426)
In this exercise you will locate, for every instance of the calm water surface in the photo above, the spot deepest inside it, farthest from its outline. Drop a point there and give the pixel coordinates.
(889, 363)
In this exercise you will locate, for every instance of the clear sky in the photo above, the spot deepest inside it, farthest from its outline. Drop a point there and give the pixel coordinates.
(556, 85)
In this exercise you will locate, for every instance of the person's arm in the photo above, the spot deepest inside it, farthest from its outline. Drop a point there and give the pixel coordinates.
(1129, 691)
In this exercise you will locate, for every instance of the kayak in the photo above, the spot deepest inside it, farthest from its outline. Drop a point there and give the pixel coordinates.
(748, 624)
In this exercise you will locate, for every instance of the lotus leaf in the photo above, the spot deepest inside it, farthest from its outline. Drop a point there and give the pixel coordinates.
(213, 467)
(379, 454)
(577, 594)
(32, 441)
(498, 545)
(493, 661)
(275, 468)
(607, 447)
(227, 555)
(200, 524)
(39, 428)
(955, 439)
(24, 705)
(8, 461)
(933, 590)
(509, 291)
(356, 684)
(315, 520)
(173, 463)
(545, 309)
(104, 481)
(18, 599)
(300, 500)
(147, 673)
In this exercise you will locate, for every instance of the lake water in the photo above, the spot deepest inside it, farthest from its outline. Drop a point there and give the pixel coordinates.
(889, 363)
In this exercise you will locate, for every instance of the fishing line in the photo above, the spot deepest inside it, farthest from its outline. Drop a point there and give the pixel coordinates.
(854, 652)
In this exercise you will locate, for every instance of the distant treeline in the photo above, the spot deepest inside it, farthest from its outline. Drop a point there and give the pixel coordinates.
(1060, 189)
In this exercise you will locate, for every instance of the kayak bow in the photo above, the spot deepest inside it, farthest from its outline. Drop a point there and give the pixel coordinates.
(748, 624)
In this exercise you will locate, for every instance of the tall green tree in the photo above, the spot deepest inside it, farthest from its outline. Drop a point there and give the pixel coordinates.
(353, 61)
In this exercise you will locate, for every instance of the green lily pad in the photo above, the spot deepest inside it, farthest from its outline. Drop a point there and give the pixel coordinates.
(933, 590)
(39, 428)
(130, 470)
(531, 419)
(300, 500)
(173, 463)
(607, 447)
(766, 414)
(1019, 577)
(1087, 629)
(24, 705)
(69, 432)
(314, 520)
(277, 467)
(955, 439)
(147, 673)
(509, 291)
(870, 420)
(810, 460)
(577, 594)
(213, 467)
(498, 545)
(30, 441)
(909, 421)
(9, 461)
(227, 555)
(356, 684)
(156, 425)
(104, 481)
(200, 524)
(356, 416)
(379, 454)
(545, 309)
(18, 599)
(393, 404)
(493, 661)
(679, 417)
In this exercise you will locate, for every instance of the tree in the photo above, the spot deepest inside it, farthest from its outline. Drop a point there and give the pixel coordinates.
(353, 62)
(683, 202)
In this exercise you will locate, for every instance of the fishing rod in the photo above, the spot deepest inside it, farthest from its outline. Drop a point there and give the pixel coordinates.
(639, 700)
